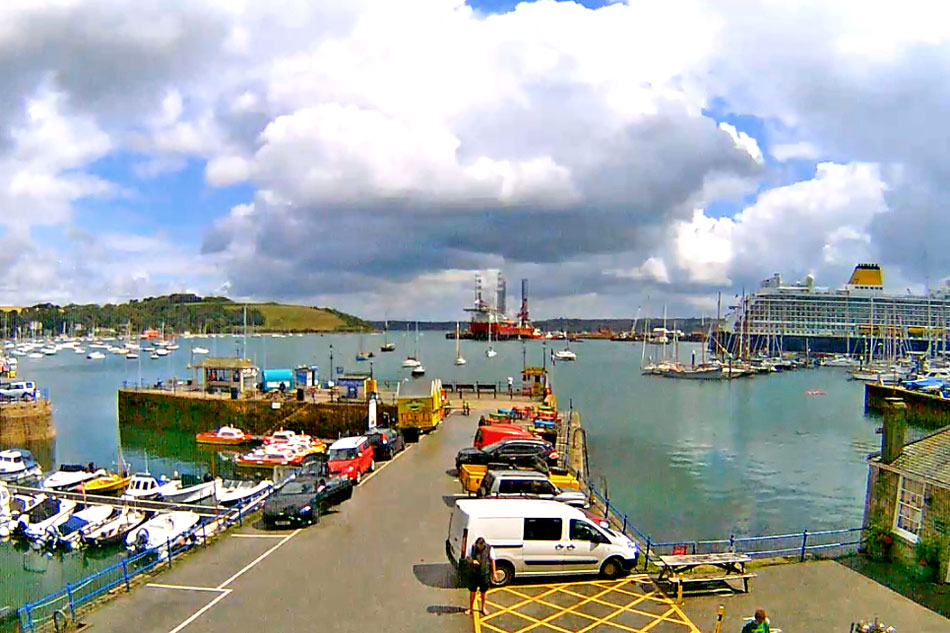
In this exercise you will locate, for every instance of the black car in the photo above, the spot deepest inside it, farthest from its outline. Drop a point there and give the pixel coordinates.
(386, 443)
(514, 451)
(303, 499)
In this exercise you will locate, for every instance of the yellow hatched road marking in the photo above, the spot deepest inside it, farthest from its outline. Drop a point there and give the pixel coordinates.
(654, 596)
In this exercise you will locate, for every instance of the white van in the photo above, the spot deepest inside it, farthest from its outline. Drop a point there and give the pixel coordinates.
(533, 537)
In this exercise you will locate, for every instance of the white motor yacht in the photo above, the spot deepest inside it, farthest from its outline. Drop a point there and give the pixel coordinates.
(51, 513)
(167, 528)
(69, 534)
(236, 492)
(185, 489)
(115, 529)
(69, 476)
(17, 465)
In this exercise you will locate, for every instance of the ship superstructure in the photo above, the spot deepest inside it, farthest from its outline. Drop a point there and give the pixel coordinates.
(485, 315)
(856, 318)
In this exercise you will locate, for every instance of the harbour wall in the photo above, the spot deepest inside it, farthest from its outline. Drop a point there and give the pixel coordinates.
(162, 410)
(922, 409)
(23, 423)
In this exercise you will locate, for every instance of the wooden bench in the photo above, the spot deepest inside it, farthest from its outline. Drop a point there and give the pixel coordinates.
(729, 566)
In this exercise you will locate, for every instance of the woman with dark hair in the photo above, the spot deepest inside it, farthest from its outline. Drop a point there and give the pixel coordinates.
(481, 569)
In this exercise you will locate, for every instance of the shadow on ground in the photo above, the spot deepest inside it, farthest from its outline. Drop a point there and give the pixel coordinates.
(900, 578)
(438, 575)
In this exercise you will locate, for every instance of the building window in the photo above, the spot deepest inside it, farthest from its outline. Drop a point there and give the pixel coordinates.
(909, 513)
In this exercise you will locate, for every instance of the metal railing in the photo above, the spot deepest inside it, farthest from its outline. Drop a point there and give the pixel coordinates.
(59, 609)
(798, 544)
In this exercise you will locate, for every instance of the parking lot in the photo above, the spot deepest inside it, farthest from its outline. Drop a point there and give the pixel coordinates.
(632, 604)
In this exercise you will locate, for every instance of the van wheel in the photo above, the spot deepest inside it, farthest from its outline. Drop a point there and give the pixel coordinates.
(504, 574)
(612, 568)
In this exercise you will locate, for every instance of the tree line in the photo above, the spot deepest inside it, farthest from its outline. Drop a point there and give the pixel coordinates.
(176, 313)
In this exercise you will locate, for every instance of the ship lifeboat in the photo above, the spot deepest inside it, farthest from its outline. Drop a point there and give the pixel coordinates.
(226, 435)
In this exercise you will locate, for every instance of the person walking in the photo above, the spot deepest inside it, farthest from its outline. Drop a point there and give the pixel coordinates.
(758, 624)
(481, 569)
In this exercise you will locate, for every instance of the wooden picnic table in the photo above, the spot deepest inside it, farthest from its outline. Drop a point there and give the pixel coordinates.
(732, 563)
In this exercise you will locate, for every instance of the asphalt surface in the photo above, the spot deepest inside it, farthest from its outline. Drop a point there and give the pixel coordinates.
(376, 564)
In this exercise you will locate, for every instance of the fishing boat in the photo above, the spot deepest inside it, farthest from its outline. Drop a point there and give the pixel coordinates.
(162, 530)
(115, 529)
(108, 484)
(458, 351)
(235, 492)
(69, 476)
(68, 534)
(50, 513)
(17, 465)
(225, 435)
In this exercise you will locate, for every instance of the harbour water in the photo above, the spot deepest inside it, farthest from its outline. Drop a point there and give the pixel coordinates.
(685, 459)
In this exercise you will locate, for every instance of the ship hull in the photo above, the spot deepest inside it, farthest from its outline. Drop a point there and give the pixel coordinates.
(810, 344)
(500, 332)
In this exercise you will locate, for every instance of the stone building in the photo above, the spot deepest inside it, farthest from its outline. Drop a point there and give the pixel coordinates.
(909, 490)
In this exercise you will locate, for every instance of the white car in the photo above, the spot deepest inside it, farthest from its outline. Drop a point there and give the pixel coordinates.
(533, 537)
(21, 390)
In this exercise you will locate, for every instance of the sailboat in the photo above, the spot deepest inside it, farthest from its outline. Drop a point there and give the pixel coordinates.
(361, 355)
(458, 352)
(490, 352)
(413, 361)
(387, 346)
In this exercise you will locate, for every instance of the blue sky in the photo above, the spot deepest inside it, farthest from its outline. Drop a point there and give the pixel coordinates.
(324, 154)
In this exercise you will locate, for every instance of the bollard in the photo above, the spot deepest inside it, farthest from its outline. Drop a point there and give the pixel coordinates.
(719, 615)
(125, 575)
(801, 557)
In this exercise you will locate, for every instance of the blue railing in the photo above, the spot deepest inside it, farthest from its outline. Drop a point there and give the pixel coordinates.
(59, 608)
(796, 543)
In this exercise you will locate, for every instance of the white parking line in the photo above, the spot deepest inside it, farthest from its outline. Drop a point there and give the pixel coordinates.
(157, 585)
(197, 614)
(258, 559)
(258, 535)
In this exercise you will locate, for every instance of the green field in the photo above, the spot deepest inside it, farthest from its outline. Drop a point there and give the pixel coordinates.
(291, 318)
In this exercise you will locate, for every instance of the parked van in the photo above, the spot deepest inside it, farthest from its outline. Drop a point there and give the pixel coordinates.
(491, 433)
(538, 538)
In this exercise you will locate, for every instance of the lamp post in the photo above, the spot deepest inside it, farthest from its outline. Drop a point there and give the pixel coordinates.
(544, 355)
(332, 374)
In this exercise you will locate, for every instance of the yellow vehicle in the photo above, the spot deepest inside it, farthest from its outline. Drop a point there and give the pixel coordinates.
(420, 407)
(471, 476)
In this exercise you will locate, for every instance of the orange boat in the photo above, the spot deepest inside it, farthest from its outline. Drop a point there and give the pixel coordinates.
(226, 435)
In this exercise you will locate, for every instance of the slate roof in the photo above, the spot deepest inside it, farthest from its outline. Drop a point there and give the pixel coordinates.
(928, 457)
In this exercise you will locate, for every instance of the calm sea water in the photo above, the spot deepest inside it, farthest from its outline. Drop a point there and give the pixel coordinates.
(684, 459)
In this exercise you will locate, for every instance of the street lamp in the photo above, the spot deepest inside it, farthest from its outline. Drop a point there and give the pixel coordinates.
(331, 374)
(544, 355)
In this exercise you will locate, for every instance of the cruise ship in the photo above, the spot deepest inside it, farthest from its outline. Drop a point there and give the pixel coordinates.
(857, 318)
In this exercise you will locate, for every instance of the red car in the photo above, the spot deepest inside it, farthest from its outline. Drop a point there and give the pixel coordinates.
(351, 457)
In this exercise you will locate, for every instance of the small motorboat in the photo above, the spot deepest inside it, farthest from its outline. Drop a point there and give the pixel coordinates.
(816, 392)
(17, 465)
(70, 476)
(183, 489)
(418, 370)
(565, 354)
(108, 484)
(271, 455)
(410, 362)
(97, 355)
(236, 492)
(200, 350)
(283, 436)
(6, 513)
(225, 435)
(115, 529)
(166, 528)
(131, 356)
(51, 513)
(20, 504)
(68, 535)
(490, 352)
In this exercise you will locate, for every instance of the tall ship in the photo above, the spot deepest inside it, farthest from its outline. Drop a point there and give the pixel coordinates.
(487, 318)
(858, 318)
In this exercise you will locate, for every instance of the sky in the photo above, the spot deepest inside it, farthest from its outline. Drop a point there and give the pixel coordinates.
(373, 156)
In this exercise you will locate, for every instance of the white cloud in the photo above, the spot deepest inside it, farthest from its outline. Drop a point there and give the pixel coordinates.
(743, 141)
(653, 269)
(227, 170)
